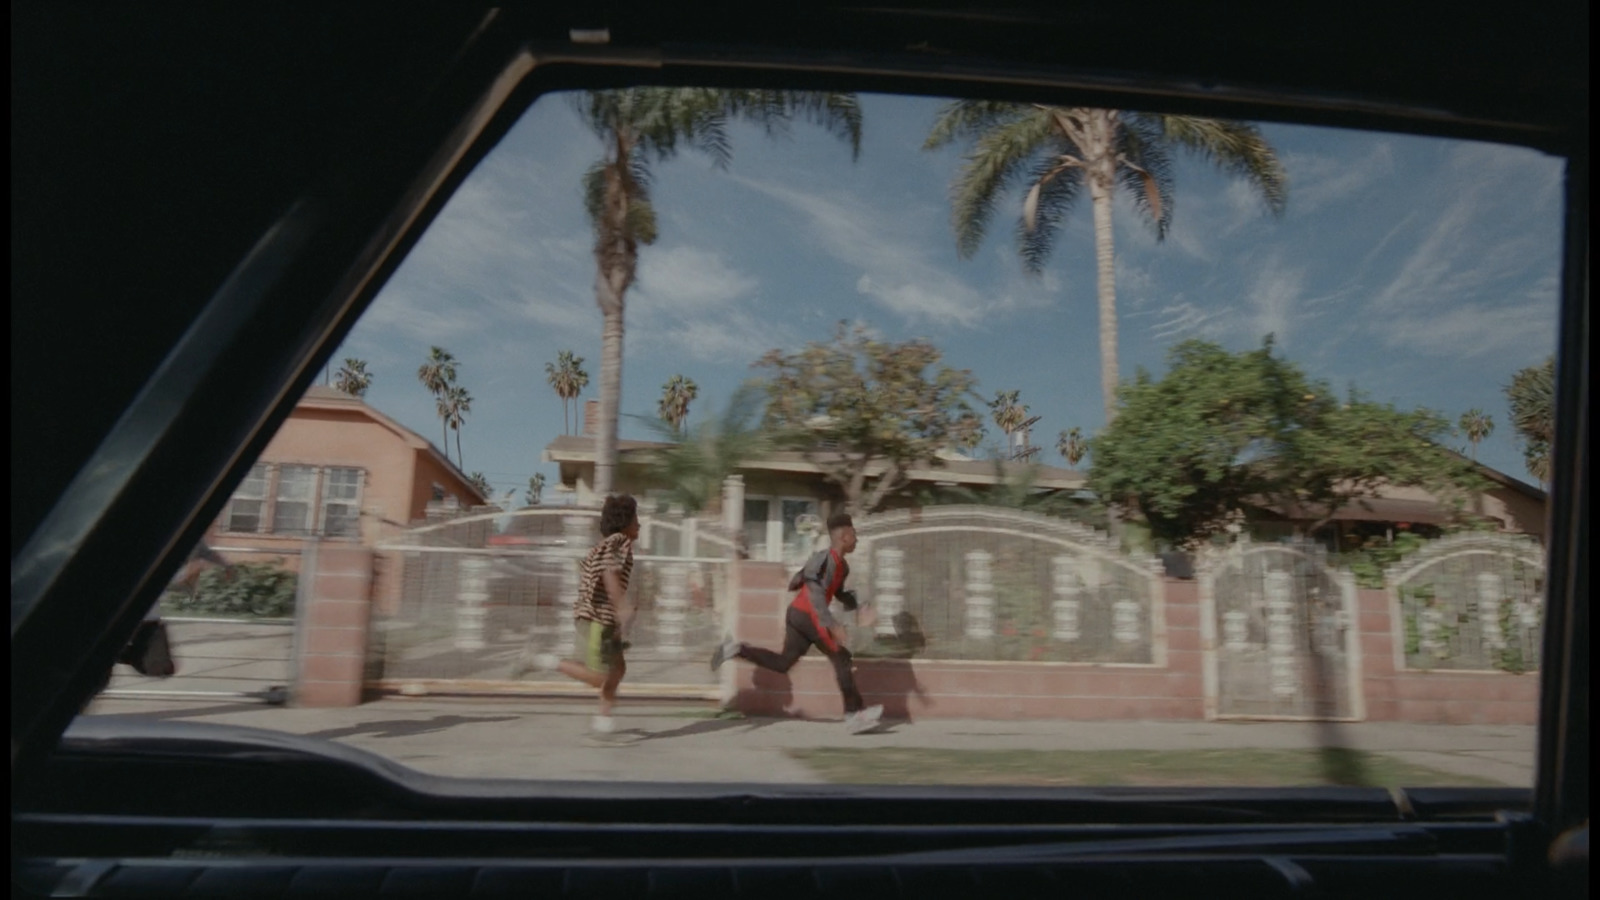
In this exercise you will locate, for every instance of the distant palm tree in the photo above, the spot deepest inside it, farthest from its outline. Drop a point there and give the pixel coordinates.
(692, 468)
(676, 395)
(1008, 415)
(457, 404)
(1532, 394)
(1072, 446)
(568, 379)
(354, 378)
(639, 126)
(480, 484)
(1476, 425)
(436, 375)
(535, 489)
(1060, 150)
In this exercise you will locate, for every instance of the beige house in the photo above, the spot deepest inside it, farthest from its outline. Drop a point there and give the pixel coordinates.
(783, 486)
(779, 488)
(337, 471)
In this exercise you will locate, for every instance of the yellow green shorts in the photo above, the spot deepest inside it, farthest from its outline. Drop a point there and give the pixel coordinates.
(599, 648)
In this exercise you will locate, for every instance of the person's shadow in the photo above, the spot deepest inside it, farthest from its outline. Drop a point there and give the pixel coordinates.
(885, 675)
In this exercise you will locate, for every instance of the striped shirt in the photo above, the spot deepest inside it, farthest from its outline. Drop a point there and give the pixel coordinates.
(614, 554)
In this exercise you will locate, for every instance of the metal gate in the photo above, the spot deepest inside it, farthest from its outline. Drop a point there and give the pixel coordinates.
(1278, 628)
(483, 600)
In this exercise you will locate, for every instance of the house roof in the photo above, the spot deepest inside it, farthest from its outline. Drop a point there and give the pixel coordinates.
(322, 397)
(579, 449)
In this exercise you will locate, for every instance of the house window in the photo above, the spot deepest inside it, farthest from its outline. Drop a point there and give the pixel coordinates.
(771, 528)
(341, 502)
(249, 501)
(755, 527)
(297, 487)
(796, 545)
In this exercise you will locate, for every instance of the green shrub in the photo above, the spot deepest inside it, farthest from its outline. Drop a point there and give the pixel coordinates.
(263, 590)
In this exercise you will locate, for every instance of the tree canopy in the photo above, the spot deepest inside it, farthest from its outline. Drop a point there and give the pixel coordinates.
(1532, 395)
(868, 411)
(1224, 431)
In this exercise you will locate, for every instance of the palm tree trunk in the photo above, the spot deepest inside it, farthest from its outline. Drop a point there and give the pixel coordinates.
(605, 456)
(1106, 284)
(444, 438)
(461, 461)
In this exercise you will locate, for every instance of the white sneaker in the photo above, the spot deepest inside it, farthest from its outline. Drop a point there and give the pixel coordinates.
(728, 649)
(860, 721)
(873, 713)
(602, 725)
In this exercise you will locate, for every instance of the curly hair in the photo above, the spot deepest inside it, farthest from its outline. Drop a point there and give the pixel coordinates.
(618, 513)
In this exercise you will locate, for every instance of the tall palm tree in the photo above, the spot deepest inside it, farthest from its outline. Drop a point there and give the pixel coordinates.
(354, 379)
(568, 379)
(1060, 150)
(457, 404)
(676, 396)
(1532, 394)
(645, 125)
(437, 373)
(1072, 446)
(1476, 425)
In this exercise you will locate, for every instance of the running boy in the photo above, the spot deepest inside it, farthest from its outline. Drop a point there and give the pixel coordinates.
(808, 622)
(603, 611)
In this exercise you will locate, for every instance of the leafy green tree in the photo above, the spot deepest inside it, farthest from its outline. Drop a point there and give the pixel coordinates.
(1058, 151)
(1476, 425)
(535, 489)
(867, 412)
(353, 378)
(691, 471)
(568, 379)
(676, 395)
(1225, 431)
(437, 374)
(1532, 395)
(644, 125)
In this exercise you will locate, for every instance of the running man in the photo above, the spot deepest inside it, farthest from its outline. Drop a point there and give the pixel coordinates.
(809, 622)
(603, 611)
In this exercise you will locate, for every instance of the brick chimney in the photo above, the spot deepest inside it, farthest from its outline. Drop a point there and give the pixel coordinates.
(591, 418)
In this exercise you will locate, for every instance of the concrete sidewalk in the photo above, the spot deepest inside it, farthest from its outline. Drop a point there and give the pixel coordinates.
(543, 740)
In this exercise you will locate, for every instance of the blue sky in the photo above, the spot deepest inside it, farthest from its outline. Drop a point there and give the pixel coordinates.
(1424, 271)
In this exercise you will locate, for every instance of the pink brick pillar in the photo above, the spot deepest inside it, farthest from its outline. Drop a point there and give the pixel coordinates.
(330, 665)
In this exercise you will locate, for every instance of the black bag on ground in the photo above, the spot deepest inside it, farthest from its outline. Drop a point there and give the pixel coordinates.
(150, 651)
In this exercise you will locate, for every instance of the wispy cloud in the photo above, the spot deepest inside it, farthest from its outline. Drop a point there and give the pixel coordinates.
(689, 279)
(1318, 180)
(897, 269)
(1474, 331)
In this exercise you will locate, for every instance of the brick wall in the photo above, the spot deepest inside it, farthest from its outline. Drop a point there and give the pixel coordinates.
(333, 626)
(1395, 694)
(1173, 690)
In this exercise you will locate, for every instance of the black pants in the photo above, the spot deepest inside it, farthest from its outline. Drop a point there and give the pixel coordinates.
(799, 635)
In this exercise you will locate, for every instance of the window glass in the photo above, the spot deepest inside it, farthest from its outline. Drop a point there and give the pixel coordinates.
(1254, 435)
(292, 510)
(797, 543)
(341, 494)
(244, 510)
